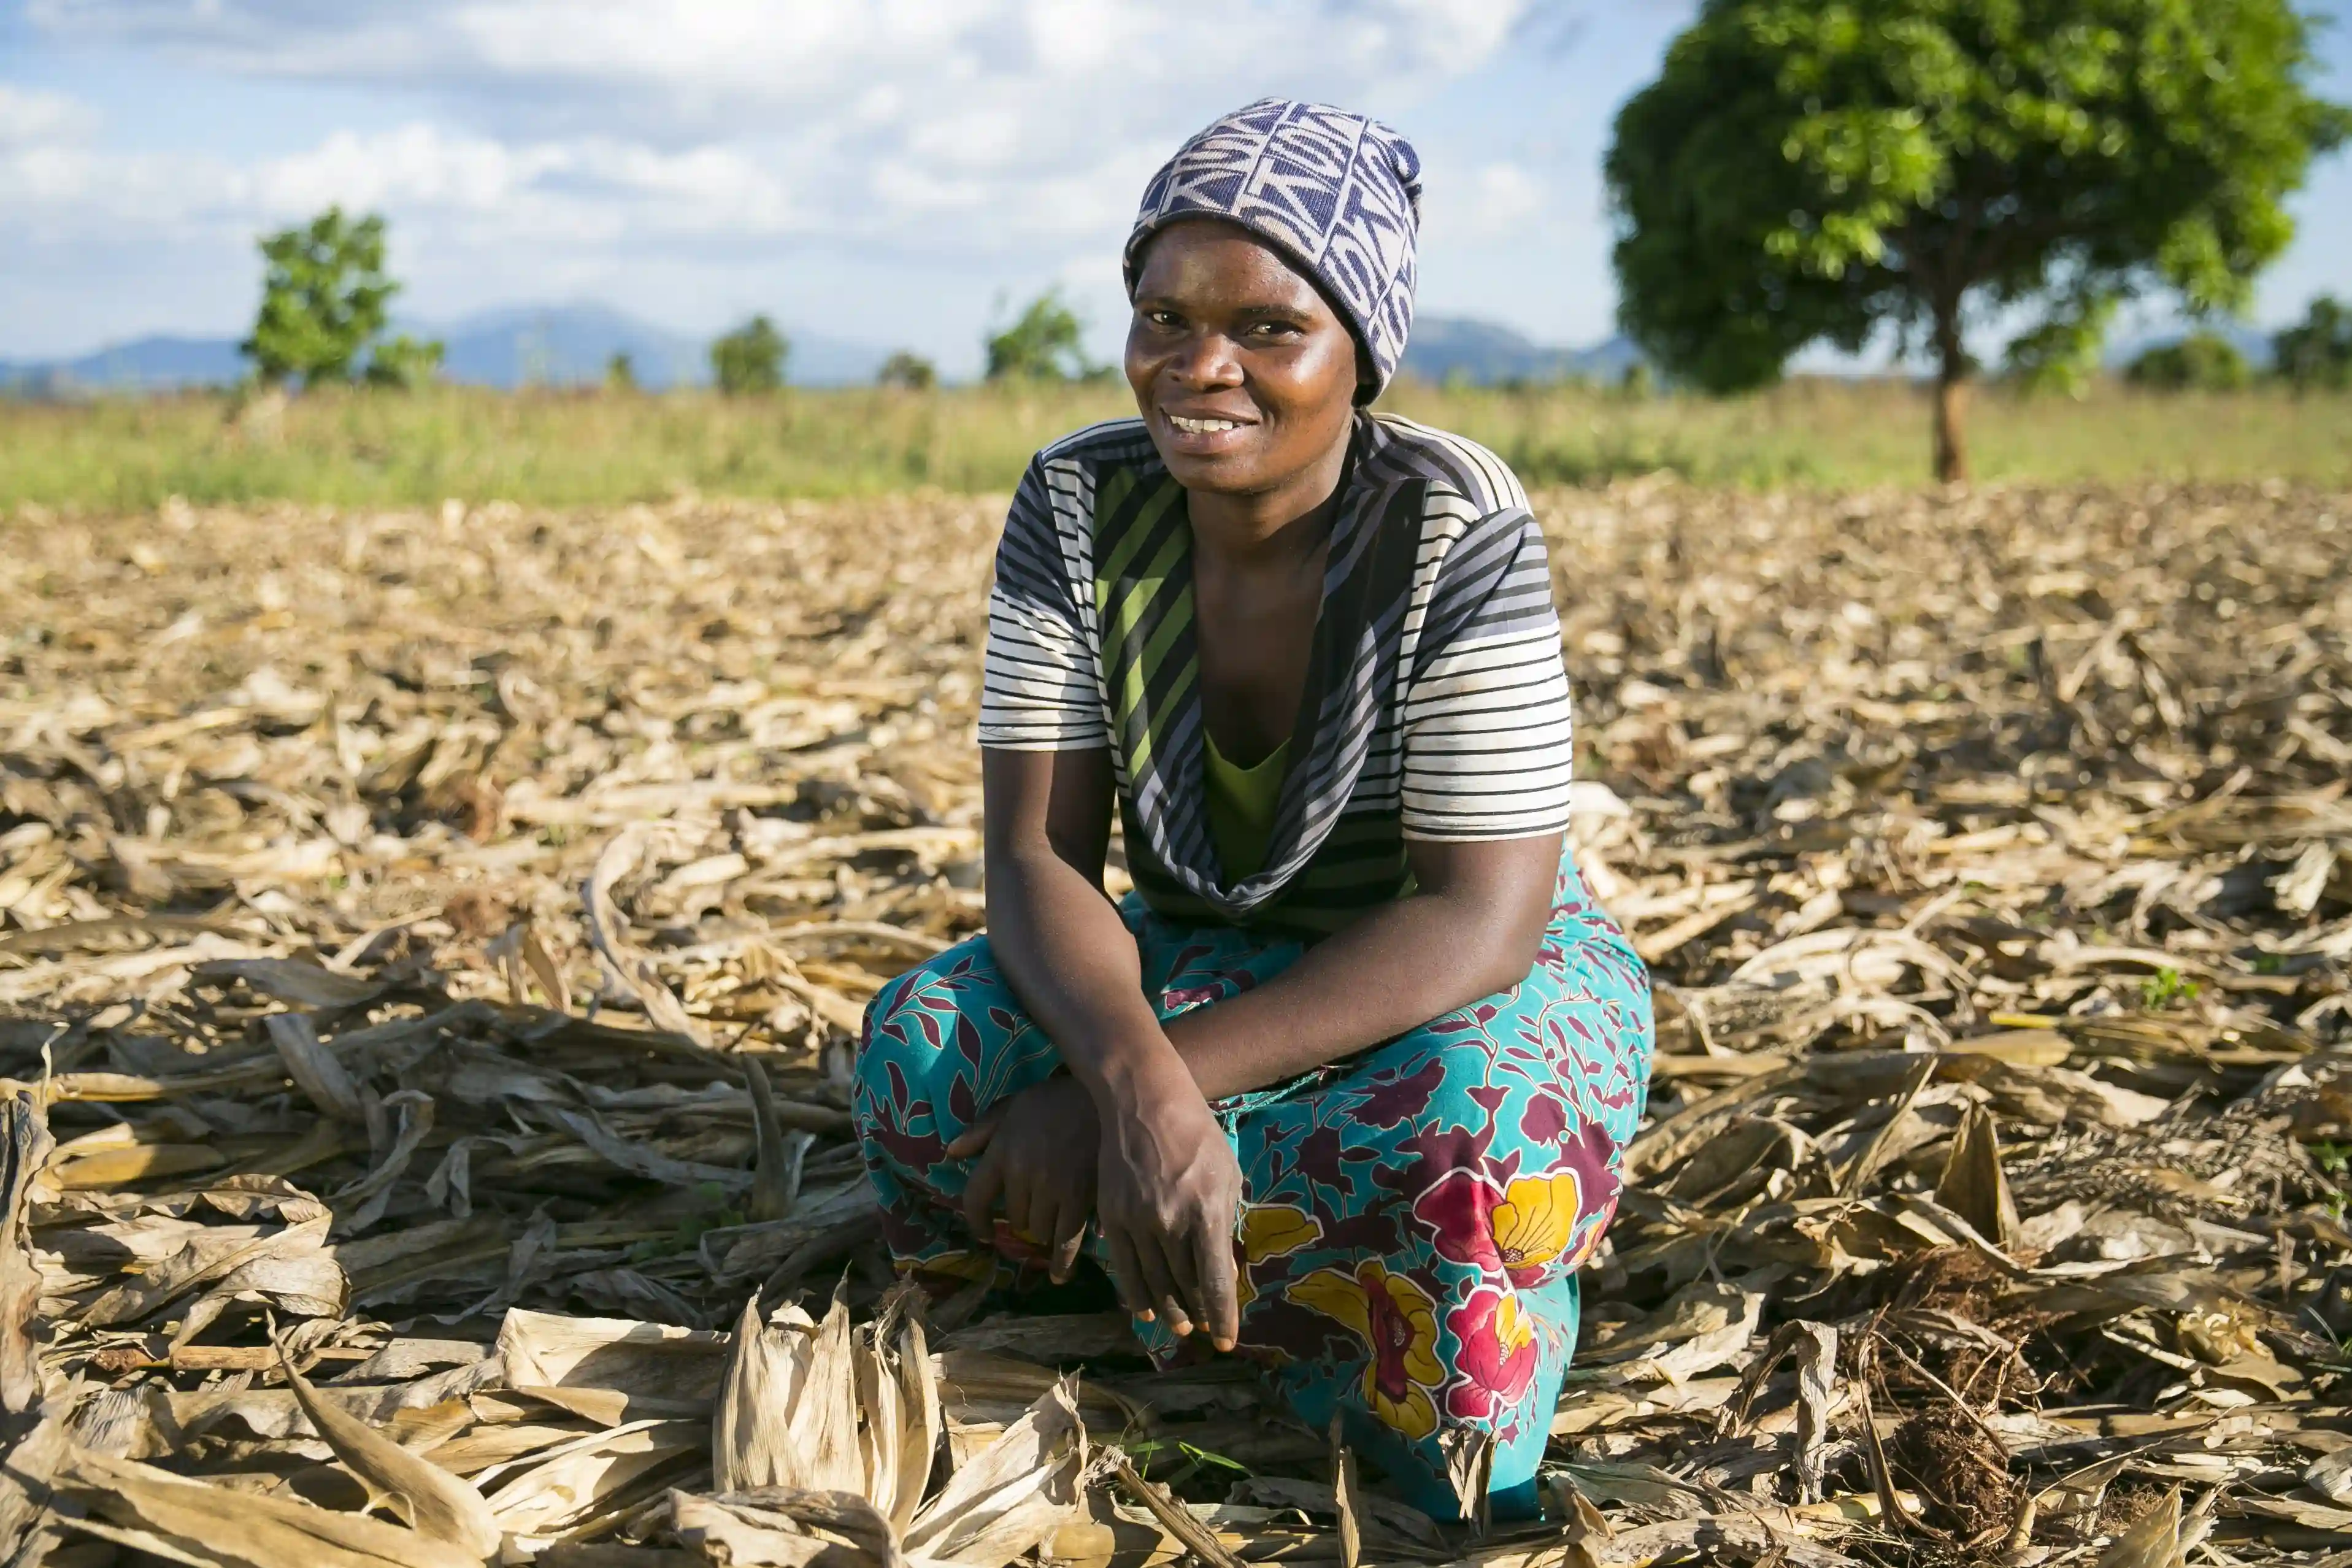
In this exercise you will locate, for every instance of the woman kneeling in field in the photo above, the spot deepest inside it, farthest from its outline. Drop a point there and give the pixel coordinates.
(1342, 1085)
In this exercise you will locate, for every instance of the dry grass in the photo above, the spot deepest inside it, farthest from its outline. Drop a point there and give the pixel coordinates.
(420, 930)
(549, 449)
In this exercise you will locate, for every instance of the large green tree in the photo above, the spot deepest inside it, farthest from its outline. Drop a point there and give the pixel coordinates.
(1819, 171)
(324, 293)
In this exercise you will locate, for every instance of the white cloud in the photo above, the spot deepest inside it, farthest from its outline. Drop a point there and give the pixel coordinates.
(978, 127)
(858, 117)
(589, 189)
(1002, 83)
(58, 186)
(1495, 201)
(583, 136)
(582, 190)
(30, 119)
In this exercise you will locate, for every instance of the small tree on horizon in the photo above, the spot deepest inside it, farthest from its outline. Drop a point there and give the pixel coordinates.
(908, 372)
(2316, 354)
(750, 359)
(325, 299)
(1046, 343)
(1807, 172)
(2201, 361)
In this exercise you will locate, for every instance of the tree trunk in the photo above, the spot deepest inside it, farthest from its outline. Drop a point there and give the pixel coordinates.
(1951, 395)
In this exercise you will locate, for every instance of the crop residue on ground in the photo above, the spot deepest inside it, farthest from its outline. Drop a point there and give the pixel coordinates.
(431, 942)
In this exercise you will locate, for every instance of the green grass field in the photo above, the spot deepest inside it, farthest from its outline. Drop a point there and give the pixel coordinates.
(576, 448)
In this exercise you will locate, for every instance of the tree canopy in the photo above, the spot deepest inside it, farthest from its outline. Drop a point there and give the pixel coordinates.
(324, 296)
(1806, 173)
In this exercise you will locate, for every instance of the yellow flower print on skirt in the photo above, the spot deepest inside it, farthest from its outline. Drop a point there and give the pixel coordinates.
(1269, 1231)
(1398, 1323)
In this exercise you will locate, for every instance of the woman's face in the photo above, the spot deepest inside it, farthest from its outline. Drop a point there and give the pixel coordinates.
(1244, 373)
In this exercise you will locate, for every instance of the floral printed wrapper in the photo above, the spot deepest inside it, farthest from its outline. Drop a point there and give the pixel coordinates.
(1414, 1214)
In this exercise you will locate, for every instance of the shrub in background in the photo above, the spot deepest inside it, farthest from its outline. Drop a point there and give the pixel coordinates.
(2317, 355)
(2201, 361)
(907, 371)
(750, 359)
(1046, 345)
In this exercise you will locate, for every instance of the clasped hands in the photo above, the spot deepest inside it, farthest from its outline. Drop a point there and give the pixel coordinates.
(1151, 1169)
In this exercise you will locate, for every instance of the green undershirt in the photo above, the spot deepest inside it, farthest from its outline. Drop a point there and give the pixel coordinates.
(1241, 803)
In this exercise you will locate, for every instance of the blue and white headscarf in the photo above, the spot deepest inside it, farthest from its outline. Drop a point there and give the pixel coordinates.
(1339, 193)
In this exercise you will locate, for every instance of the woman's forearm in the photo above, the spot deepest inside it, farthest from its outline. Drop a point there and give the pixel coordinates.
(1393, 969)
(1073, 962)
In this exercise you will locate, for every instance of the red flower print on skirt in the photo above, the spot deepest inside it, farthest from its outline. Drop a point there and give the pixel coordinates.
(1496, 1360)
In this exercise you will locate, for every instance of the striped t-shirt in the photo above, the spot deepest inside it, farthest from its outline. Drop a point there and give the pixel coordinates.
(1435, 704)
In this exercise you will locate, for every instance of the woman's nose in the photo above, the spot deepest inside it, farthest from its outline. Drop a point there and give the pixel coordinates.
(1207, 360)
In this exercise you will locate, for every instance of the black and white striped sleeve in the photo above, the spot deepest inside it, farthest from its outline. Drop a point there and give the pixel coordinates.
(1488, 741)
(1039, 688)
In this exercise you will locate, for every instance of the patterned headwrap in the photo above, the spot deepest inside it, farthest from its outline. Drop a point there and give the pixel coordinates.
(1339, 193)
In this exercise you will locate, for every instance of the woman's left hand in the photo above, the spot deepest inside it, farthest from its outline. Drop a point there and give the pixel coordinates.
(1037, 1156)
(1170, 1191)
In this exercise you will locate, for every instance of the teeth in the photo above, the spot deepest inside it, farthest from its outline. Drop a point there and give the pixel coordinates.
(1201, 427)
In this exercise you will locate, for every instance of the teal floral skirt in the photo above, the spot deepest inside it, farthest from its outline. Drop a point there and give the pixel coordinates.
(1414, 1214)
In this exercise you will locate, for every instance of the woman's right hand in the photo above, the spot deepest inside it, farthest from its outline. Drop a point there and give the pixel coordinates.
(1167, 1196)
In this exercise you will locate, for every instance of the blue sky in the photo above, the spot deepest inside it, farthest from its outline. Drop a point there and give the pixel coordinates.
(890, 172)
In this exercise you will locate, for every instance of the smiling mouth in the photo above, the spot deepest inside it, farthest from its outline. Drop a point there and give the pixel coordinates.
(1202, 427)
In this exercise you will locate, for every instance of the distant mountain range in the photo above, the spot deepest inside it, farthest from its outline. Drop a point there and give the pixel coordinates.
(142, 365)
(565, 345)
(552, 345)
(1486, 353)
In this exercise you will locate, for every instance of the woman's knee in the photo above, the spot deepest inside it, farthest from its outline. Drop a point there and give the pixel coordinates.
(914, 1011)
(941, 1045)
(915, 1021)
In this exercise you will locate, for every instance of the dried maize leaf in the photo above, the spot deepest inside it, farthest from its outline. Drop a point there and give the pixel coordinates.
(27, 1146)
(1973, 1184)
(648, 1360)
(437, 1505)
(823, 1411)
(550, 1491)
(769, 1364)
(212, 1525)
(1012, 1496)
(314, 1068)
(919, 1397)
(738, 1537)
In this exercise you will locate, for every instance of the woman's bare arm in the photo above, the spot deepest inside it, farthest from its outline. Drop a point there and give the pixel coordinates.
(1166, 1186)
(1059, 938)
